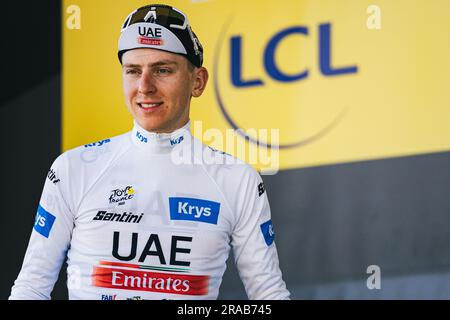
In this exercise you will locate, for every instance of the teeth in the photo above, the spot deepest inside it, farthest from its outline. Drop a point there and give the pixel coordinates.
(149, 105)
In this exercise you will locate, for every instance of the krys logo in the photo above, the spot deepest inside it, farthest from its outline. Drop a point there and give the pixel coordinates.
(98, 143)
(238, 62)
(44, 221)
(192, 209)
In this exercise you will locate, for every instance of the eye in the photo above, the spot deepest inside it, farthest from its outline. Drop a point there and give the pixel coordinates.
(163, 71)
(131, 71)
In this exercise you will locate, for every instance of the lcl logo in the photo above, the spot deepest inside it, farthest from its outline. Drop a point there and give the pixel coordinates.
(237, 64)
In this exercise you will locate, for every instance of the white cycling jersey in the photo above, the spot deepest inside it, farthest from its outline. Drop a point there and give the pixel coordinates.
(150, 216)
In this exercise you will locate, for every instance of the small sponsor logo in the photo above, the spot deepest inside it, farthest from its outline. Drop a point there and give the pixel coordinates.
(141, 137)
(98, 143)
(194, 210)
(127, 217)
(135, 298)
(218, 151)
(91, 154)
(150, 41)
(52, 176)
(176, 141)
(120, 196)
(261, 188)
(109, 296)
(44, 221)
(267, 231)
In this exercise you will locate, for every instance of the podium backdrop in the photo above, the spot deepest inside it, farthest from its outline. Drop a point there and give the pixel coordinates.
(355, 92)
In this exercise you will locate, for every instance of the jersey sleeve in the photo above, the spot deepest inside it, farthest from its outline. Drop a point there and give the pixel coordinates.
(50, 237)
(253, 243)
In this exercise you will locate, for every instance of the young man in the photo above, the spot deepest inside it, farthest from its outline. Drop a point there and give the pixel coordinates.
(132, 222)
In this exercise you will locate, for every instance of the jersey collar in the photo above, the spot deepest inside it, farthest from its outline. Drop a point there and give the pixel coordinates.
(159, 142)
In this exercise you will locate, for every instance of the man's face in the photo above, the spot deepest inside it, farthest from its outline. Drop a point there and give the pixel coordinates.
(158, 87)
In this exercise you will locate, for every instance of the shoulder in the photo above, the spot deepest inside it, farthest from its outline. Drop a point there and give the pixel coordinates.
(219, 161)
(82, 163)
(77, 169)
(231, 174)
(239, 183)
(96, 152)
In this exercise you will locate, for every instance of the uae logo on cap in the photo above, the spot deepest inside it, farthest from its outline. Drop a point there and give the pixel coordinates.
(150, 36)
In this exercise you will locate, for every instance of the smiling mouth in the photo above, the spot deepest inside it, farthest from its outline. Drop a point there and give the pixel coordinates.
(149, 106)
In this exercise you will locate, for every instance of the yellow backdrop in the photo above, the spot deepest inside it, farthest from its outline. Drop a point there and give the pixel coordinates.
(394, 101)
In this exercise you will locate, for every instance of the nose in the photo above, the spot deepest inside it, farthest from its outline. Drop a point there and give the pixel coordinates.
(146, 84)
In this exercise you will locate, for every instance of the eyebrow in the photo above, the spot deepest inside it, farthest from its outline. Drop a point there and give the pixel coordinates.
(154, 64)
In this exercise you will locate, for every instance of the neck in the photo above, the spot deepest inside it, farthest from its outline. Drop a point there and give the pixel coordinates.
(159, 142)
(163, 131)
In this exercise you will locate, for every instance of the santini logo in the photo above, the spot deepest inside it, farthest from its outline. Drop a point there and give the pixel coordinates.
(194, 210)
(52, 176)
(119, 217)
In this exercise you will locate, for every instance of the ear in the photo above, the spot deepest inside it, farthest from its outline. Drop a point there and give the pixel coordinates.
(200, 80)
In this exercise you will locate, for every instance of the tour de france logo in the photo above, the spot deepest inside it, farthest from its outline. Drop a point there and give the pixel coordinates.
(120, 195)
